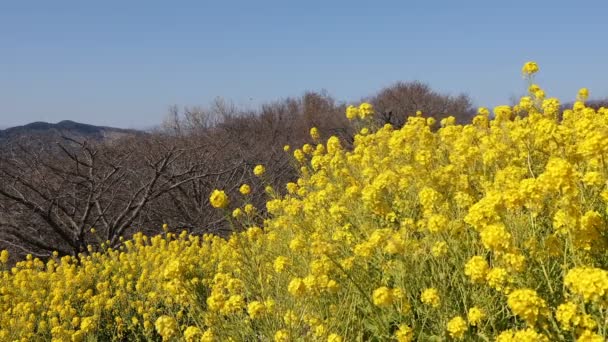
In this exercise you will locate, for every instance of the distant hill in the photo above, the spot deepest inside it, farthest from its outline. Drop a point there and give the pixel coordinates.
(49, 132)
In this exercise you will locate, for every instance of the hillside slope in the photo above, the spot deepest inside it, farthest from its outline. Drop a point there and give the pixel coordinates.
(55, 131)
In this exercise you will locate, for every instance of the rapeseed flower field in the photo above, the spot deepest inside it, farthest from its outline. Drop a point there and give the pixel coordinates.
(489, 231)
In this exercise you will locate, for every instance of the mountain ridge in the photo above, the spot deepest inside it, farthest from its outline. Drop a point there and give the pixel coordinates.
(65, 128)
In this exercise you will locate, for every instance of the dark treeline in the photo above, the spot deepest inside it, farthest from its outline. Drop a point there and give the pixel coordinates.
(66, 194)
(595, 104)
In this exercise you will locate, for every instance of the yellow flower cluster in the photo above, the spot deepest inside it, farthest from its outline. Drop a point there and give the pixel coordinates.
(143, 289)
(526, 335)
(475, 316)
(245, 189)
(315, 134)
(259, 170)
(457, 327)
(431, 297)
(384, 297)
(4, 256)
(219, 199)
(166, 327)
(365, 110)
(590, 283)
(494, 230)
(476, 268)
(529, 68)
(526, 304)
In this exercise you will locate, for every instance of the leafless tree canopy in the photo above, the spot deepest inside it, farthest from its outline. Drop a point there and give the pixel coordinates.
(57, 197)
(395, 103)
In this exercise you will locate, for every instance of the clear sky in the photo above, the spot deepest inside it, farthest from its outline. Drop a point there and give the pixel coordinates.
(122, 63)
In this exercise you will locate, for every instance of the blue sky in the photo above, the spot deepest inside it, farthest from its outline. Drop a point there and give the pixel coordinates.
(122, 63)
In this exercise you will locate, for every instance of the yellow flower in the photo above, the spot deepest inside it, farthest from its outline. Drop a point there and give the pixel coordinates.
(281, 336)
(593, 178)
(483, 111)
(365, 110)
(334, 338)
(590, 336)
(539, 94)
(526, 335)
(259, 170)
(299, 155)
(515, 262)
(192, 334)
(292, 187)
(502, 113)
(583, 94)
(237, 213)
(495, 237)
(290, 318)
(475, 316)
(404, 334)
(382, 296)
(256, 309)
(477, 269)
(333, 286)
(173, 270)
(352, 112)
(307, 148)
(297, 287)
(219, 199)
(457, 327)
(497, 277)
(439, 249)
(245, 189)
(280, 263)
(166, 327)
(590, 283)
(525, 103)
(566, 314)
(314, 133)
(333, 145)
(430, 297)
(526, 304)
(234, 304)
(249, 209)
(529, 68)
(88, 324)
(320, 330)
(208, 336)
(533, 88)
(4, 256)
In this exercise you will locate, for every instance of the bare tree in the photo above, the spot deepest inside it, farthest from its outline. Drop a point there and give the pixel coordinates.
(395, 103)
(56, 199)
(172, 122)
